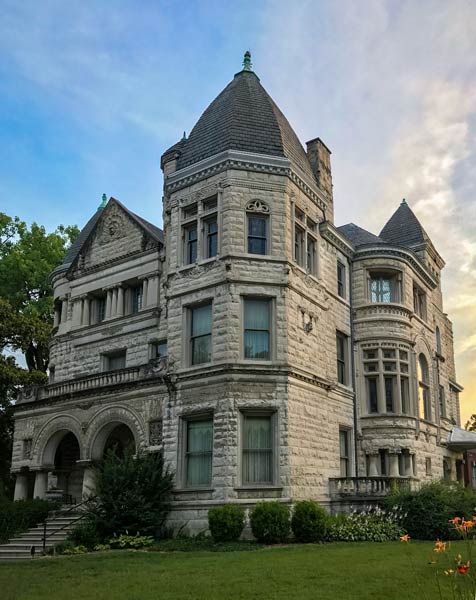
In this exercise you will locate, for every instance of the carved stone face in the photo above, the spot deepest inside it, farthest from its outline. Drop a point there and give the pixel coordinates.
(113, 227)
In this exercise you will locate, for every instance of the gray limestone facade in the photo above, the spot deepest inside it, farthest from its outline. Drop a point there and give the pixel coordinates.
(267, 353)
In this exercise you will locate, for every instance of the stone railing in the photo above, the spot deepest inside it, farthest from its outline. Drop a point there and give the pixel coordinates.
(367, 487)
(378, 311)
(95, 381)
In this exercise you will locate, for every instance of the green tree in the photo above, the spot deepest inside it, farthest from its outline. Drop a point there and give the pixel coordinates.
(471, 423)
(27, 256)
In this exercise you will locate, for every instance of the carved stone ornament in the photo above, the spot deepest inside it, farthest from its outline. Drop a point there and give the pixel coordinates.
(257, 206)
(27, 448)
(155, 433)
(113, 227)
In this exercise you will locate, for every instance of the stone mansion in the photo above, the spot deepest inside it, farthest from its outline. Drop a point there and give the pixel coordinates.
(266, 352)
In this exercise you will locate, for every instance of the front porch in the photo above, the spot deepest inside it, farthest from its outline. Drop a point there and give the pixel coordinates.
(368, 489)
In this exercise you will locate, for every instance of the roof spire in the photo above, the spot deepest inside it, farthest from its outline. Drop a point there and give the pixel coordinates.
(103, 203)
(404, 201)
(247, 61)
(184, 137)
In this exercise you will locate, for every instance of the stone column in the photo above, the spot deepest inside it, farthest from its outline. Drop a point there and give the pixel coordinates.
(120, 301)
(41, 484)
(114, 303)
(382, 404)
(86, 311)
(408, 464)
(21, 487)
(57, 315)
(108, 304)
(152, 291)
(373, 465)
(64, 310)
(145, 293)
(88, 482)
(393, 464)
(77, 312)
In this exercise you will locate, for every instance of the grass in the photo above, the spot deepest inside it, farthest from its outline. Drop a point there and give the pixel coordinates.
(346, 571)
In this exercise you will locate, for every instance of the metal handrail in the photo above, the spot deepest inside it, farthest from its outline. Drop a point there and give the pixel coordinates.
(76, 506)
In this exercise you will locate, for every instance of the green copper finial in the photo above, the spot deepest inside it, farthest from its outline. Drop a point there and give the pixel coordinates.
(247, 61)
(184, 137)
(103, 203)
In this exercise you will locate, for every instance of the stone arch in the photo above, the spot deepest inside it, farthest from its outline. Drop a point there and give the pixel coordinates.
(50, 436)
(105, 421)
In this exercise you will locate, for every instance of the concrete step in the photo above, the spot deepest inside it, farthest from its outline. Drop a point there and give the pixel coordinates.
(32, 539)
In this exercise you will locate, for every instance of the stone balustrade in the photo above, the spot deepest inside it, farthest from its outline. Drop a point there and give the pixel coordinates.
(367, 487)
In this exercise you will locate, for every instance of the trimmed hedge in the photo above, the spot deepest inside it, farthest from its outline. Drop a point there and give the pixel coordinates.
(19, 516)
(426, 512)
(309, 521)
(270, 522)
(226, 522)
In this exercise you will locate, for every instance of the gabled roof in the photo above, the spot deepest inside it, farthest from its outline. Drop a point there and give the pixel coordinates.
(359, 236)
(74, 250)
(242, 117)
(404, 229)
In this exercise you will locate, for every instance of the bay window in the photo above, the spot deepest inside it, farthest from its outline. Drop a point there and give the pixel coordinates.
(384, 286)
(386, 371)
(257, 449)
(257, 328)
(201, 334)
(198, 452)
(257, 234)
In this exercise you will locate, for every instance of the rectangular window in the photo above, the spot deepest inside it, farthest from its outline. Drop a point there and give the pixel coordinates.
(390, 383)
(405, 391)
(159, 349)
(419, 302)
(101, 309)
(198, 453)
(257, 234)
(384, 287)
(51, 374)
(137, 298)
(257, 329)
(344, 442)
(383, 462)
(210, 204)
(424, 401)
(441, 397)
(190, 211)
(257, 450)
(340, 279)
(211, 237)
(342, 352)
(114, 361)
(299, 245)
(311, 255)
(201, 334)
(372, 394)
(190, 244)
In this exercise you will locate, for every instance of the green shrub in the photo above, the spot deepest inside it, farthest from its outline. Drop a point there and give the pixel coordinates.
(75, 550)
(19, 516)
(102, 547)
(226, 522)
(131, 541)
(309, 521)
(371, 525)
(132, 495)
(270, 522)
(426, 512)
(85, 534)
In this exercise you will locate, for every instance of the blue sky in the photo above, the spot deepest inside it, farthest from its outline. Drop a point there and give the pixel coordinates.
(92, 93)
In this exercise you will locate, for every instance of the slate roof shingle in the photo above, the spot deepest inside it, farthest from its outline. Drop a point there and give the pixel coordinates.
(403, 228)
(359, 236)
(243, 117)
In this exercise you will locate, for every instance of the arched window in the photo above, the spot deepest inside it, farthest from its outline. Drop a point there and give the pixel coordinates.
(438, 340)
(423, 388)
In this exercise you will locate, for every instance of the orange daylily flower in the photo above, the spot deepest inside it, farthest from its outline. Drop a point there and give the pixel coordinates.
(455, 520)
(440, 546)
(463, 569)
(405, 538)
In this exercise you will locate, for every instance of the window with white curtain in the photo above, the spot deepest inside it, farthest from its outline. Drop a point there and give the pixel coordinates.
(201, 334)
(198, 452)
(257, 449)
(257, 328)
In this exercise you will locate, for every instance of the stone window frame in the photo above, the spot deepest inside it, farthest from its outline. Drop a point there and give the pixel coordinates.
(187, 330)
(153, 346)
(308, 229)
(394, 274)
(272, 326)
(382, 367)
(196, 215)
(258, 208)
(181, 475)
(106, 357)
(273, 414)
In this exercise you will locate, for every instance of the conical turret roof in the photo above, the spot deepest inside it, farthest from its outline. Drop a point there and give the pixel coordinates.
(243, 117)
(403, 228)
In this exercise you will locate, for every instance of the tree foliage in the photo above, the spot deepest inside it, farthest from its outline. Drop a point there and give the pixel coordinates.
(471, 423)
(27, 257)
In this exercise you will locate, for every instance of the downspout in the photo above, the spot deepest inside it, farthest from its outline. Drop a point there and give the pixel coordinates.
(352, 364)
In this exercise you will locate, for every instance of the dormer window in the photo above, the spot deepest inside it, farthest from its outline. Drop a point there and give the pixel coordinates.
(384, 286)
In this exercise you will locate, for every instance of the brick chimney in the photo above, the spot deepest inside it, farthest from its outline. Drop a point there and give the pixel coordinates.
(320, 158)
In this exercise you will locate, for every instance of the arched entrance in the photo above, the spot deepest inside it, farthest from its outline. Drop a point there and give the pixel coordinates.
(118, 440)
(69, 475)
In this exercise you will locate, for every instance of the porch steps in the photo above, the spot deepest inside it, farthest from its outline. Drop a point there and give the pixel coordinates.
(57, 529)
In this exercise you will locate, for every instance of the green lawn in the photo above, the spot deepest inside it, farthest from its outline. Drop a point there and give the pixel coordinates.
(332, 571)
